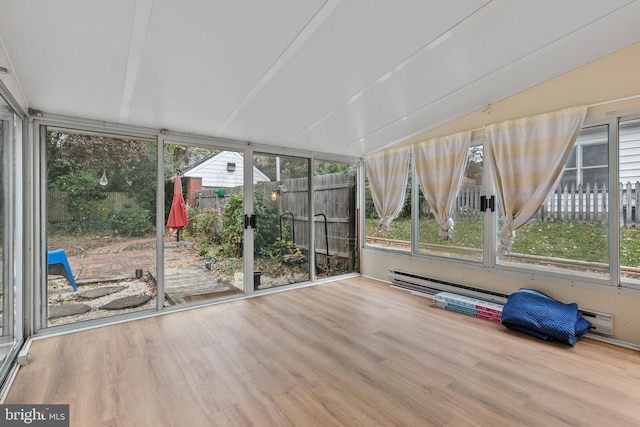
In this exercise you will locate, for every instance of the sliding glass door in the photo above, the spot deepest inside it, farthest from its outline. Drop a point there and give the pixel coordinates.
(203, 233)
(282, 243)
(334, 207)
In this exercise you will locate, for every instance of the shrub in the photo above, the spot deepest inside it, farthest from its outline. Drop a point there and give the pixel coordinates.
(205, 226)
(131, 222)
(278, 249)
(232, 230)
(83, 195)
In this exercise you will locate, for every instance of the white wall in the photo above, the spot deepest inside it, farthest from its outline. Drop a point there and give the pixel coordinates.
(624, 307)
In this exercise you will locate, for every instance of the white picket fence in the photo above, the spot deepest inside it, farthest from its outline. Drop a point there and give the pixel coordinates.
(587, 204)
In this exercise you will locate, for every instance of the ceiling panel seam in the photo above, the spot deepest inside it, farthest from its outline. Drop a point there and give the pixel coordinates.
(385, 76)
(460, 88)
(296, 43)
(139, 31)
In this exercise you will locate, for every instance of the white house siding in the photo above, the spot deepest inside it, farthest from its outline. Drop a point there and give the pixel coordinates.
(630, 151)
(592, 204)
(214, 171)
(629, 147)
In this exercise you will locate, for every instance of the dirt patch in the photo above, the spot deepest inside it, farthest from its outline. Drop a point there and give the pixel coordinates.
(77, 244)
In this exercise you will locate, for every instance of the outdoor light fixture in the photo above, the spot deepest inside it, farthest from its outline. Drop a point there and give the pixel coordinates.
(103, 179)
(274, 195)
(231, 167)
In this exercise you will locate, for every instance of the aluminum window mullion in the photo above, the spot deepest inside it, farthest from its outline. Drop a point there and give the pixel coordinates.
(248, 234)
(160, 283)
(490, 219)
(415, 207)
(312, 220)
(614, 204)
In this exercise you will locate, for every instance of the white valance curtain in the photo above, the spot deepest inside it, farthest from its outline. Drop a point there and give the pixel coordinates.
(440, 164)
(527, 156)
(388, 173)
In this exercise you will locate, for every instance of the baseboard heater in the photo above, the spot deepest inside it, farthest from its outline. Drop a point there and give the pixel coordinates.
(602, 323)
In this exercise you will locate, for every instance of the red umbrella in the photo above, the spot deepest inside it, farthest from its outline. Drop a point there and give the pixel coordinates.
(178, 214)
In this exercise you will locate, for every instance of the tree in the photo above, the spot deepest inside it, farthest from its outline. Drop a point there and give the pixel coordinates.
(182, 157)
(69, 152)
(290, 167)
(475, 169)
(325, 168)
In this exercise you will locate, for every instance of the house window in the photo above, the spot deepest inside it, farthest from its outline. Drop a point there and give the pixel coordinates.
(231, 167)
(587, 164)
(569, 233)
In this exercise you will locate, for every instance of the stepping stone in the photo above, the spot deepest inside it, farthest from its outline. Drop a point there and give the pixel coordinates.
(100, 292)
(126, 302)
(67, 310)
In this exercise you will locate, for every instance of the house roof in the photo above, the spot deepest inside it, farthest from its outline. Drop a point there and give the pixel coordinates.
(214, 173)
(343, 77)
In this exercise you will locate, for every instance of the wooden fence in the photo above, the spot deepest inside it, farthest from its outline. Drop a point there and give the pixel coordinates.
(334, 206)
(58, 210)
(210, 200)
(582, 204)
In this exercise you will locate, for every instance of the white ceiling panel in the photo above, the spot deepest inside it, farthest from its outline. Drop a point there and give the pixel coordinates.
(70, 56)
(461, 59)
(361, 41)
(329, 76)
(201, 62)
(509, 80)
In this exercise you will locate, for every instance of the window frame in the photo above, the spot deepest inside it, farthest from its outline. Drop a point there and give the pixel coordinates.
(614, 282)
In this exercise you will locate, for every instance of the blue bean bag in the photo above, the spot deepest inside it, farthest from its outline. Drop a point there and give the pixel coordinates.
(536, 314)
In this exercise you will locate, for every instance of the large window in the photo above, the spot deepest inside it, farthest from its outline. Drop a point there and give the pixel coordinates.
(281, 238)
(570, 231)
(588, 161)
(395, 234)
(467, 236)
(101, 235)
(202, 223)
(334, 204)
(569, 236)
(629, 195)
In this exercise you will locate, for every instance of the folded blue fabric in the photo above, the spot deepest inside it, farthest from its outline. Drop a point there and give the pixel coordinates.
(536, 314)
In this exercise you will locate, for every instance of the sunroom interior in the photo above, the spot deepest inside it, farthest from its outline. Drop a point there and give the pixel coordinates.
(332, 82)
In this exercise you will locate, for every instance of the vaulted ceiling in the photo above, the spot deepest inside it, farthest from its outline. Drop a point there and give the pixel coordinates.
(345, 77)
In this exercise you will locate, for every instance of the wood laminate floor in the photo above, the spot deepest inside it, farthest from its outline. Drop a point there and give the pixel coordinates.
(348, 353)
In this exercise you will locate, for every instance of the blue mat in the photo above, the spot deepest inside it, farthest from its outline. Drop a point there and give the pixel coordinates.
(536, 314)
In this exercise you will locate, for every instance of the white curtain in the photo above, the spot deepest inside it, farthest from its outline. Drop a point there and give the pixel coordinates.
(527, 156)
(388, 174)
(440, 165)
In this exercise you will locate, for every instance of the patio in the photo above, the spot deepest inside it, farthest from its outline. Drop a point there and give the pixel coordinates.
(114, 265)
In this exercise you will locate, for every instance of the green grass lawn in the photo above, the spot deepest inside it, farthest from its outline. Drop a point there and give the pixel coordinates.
(566, 240)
